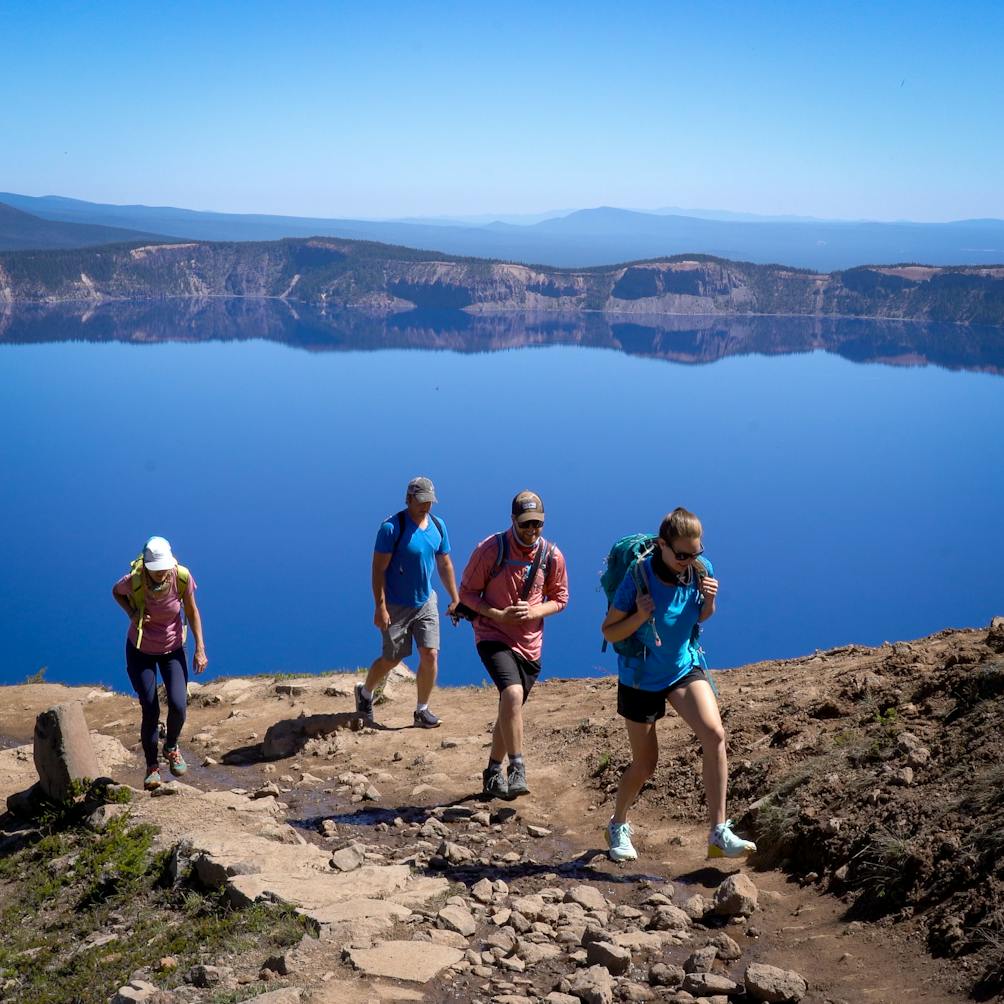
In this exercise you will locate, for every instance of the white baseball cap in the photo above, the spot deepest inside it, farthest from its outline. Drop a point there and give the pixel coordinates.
(157, 555)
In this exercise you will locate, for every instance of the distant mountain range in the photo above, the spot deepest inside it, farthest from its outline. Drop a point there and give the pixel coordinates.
(22, 231)
(382, 280)
(583, 238)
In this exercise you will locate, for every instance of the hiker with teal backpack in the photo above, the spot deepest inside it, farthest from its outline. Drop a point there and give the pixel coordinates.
(661, 590)
(158, 596)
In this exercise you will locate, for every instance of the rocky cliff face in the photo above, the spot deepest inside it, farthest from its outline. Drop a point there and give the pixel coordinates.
(385, 280)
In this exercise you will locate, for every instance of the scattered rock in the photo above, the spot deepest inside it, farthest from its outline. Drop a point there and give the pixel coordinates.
(727, 949)
(702, 960)
(482, 891)
(134, 991)
(206, 976)
(594, 985)
(777, 986)
(287, 995)
(669, 918)
(586, 896)
(628, 991)
(457, 918)
(612, 957)
(347, 859)
(663, 974)
(104, 814)
(455, 854)
(735, 897)
(707, 984)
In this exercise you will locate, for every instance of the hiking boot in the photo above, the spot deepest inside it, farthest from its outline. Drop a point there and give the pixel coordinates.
(425, 719)
(152, 779)
(517, 780)
(494, 783)
(619, 840)
(175, 761)
(364, 706)
(723, 843)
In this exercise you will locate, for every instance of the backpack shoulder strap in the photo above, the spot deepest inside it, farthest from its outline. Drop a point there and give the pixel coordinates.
(184, 577)
(438, 524)
(531, 575)
(398, 520)
(501, 555)
(137, 594)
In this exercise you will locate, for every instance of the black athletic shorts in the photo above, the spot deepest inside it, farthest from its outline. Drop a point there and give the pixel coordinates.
(507, 667)
(647, 706)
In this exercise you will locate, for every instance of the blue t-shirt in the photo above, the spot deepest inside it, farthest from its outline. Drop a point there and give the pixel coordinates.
(408, 579)
(677, 609)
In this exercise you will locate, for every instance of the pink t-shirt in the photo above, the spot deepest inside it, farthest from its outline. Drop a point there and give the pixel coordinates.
(162, 633)
(526, 637)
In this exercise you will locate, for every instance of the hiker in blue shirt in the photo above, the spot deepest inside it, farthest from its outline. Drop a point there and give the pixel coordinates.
(408, 546)
(681, 593)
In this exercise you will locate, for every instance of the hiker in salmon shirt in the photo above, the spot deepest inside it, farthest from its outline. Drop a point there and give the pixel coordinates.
(155, 593)
(513, 580)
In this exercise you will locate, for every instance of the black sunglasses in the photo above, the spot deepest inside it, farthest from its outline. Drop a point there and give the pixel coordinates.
(532, 524)
(682, 555)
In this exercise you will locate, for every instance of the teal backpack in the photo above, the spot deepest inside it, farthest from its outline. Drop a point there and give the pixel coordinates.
(627, 557)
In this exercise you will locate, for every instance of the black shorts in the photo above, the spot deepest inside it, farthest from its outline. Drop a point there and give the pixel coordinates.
(647, 706)
(507, 667)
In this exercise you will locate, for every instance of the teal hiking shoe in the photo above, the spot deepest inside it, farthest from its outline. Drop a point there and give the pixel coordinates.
(723, 843)
(152, 780)
(175, 761)
(619, 840)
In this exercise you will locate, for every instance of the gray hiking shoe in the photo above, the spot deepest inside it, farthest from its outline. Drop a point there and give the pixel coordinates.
(364, 707)
(425, 719)
(517, 780)
(494, 783)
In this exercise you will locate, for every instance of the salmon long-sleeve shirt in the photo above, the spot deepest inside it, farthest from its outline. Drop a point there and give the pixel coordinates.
(525, 637)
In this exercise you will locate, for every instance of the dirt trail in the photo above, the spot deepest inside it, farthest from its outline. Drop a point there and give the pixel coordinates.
(575, 748)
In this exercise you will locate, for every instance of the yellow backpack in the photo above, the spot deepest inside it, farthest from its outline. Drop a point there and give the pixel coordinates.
(137, 595)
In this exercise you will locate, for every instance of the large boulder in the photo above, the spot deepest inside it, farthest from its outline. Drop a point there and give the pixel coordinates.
(63, 750)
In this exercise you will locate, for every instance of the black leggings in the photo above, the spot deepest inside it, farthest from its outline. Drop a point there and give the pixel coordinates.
(142, 668)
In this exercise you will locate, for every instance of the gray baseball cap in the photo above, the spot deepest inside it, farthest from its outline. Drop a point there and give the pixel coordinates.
(421, 490)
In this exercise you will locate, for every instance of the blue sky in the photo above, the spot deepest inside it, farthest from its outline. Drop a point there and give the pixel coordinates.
(850, 110)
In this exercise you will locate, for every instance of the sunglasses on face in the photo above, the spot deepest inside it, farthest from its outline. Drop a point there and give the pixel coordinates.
(532, 524)
(682, 555)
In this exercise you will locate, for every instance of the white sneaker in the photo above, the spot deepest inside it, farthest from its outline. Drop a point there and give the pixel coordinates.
(619, 839)
(723, 843)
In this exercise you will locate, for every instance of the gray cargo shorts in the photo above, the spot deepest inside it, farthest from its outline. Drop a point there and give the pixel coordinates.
(420, 624)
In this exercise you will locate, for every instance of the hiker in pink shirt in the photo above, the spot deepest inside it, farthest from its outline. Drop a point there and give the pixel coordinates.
(157, 595)
(513, 580)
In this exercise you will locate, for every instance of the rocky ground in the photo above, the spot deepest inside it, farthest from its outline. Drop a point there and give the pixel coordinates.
(871, 779)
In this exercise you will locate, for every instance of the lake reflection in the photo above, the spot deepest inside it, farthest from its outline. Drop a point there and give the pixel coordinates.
(683, 339)
(842, 502)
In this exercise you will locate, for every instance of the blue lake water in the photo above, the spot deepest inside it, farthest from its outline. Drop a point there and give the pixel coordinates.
(843, 499)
